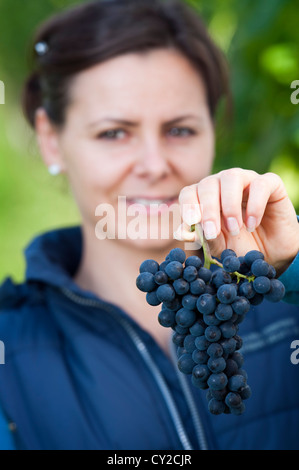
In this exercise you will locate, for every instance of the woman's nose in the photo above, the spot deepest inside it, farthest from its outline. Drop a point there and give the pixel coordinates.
(152, 162)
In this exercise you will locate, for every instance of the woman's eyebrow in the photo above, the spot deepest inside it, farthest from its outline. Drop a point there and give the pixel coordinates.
(126, 122)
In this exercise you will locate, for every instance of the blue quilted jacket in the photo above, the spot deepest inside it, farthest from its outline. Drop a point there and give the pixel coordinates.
(79, 373)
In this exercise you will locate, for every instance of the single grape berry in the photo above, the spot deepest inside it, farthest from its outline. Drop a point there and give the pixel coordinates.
(216, 365)
(181, 330)
(231, 368)
(205, 274)
(166, 293)
(226, 293)
(201, 372)
(178, 339)
(189, 301)
(224, 312)
(166, 318)
(238, 358)
(239, 341)
(198, 328)
(228, 345)
(238, 410)
(236, 383)
(174, 270)
(206, 304)
(189, 343)
(146, 282)
(228, 329)
(231, 264)
(260, 267)
(244, 373)
(186, 363)
(246, 290)
(216, 407)
(200, 357)
(160, 278)
(193, 261)
(244, 268)
(185, 317)
(201, 384)
(251, 256)
(245, 393)
(163, 265)
(211, 319)
(149, 266)
(241, 305)
(262, 284)
(152, 299)
(233, 399)
(227, 252)
(174, 304)
(181, 286)
(256, 299)
(213, 333)
(220, 277)
(217, 381)
(190, 273)
(219, 394)
(197, 287)
(177, 254)
(215, 350)
(276, 292)
(202, 343)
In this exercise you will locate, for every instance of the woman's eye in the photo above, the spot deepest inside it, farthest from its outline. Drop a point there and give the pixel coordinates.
(112, 134)
(181, 132)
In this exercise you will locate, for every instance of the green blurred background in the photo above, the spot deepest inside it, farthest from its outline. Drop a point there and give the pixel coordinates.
(260, 39)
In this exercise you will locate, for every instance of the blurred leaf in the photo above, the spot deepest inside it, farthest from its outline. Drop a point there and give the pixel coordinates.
(281, 61)
(286, 167)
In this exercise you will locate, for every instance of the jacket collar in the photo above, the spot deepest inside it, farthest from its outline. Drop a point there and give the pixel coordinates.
(52, 258)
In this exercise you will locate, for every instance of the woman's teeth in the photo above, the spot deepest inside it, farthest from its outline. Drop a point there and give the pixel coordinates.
(148, 202)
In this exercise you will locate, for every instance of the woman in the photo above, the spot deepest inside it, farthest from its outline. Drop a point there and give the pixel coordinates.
(123, 98)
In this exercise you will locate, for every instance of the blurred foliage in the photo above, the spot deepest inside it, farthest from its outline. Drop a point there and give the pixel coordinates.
(260, 40)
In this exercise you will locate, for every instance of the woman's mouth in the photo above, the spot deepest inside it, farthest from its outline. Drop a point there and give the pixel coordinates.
(152, 205)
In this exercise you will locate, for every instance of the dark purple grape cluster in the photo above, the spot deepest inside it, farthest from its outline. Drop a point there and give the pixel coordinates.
(204, 308)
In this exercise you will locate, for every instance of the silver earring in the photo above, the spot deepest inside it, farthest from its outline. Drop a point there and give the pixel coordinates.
(41, 48)
(54, 169)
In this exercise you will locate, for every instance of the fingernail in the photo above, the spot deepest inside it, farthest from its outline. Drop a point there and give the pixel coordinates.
(210, 230)
(251, 224)
(191, 214)
(233, 226)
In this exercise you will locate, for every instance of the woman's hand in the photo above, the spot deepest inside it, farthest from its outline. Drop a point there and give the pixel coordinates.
(242, 210)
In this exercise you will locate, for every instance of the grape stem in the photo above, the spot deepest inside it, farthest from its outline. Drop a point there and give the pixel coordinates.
(208, 259)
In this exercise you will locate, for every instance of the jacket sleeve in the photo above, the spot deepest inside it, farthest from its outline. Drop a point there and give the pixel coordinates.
(290, 279)
(6, 439)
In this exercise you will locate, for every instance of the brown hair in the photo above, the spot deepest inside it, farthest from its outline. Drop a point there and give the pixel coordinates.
(93, 32)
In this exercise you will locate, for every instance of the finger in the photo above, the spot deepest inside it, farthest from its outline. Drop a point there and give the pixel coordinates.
(183, 233)
(232, 188)
(208, 191)
(262, 190)
(190, 209)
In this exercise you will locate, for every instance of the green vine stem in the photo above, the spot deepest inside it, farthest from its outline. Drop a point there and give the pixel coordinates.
(208, 259)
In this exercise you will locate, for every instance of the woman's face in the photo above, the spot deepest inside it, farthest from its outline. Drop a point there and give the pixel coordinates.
(137, 131)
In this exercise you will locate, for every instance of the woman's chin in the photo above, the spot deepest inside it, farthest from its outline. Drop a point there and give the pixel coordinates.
(152, 243)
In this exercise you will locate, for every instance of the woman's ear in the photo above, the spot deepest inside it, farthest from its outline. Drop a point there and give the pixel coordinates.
(48, 142)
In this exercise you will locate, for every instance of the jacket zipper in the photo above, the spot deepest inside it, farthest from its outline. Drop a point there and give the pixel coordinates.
(160, 381)
(199, 428)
